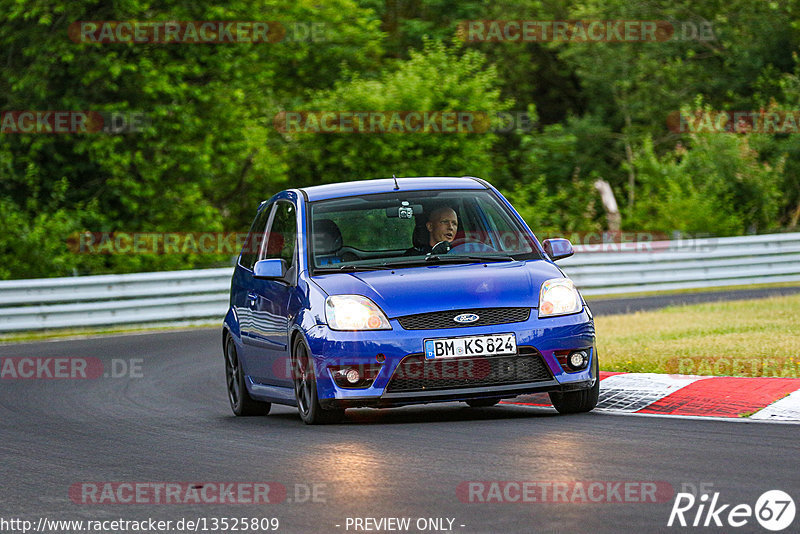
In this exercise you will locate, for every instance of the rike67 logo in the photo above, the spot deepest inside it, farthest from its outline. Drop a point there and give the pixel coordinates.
(774, 510)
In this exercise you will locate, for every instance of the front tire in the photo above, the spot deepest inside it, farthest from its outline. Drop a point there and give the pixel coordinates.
(580, 401)
(305, 389)
(241, 402)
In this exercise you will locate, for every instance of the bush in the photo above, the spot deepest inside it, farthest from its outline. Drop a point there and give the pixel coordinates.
(717, 186)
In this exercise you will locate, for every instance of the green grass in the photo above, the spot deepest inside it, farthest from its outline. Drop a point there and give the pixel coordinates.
(758, 337)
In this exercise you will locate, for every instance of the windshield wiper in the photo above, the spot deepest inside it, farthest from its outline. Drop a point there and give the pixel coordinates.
(349, 268)
(459, 258)
(442, 258)
(427, 260)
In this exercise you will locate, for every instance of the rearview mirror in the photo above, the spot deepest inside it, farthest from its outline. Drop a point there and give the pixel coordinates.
(404, 212)
(558, 248)
(270, 269)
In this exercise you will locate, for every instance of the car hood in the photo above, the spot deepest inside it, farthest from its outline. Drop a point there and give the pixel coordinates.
(446, 287)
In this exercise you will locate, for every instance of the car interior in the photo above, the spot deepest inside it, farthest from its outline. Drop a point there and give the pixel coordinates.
(330, 248)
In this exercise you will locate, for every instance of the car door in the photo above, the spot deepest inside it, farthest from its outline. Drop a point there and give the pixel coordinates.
(269, 301)
(242, 284)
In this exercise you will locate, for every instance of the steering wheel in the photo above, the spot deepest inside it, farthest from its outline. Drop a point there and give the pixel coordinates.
(442, 247)
(462, 246)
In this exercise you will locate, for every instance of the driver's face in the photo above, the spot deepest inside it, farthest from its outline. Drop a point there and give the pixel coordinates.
(442, 226)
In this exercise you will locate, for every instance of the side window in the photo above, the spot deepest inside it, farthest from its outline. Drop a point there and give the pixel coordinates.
(255, 237)
(503, 231)
(282, 234)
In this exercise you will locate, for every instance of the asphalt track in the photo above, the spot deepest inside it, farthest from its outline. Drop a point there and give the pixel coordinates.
(171, 422)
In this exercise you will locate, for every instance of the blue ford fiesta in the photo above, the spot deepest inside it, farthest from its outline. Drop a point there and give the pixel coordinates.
(402, 291)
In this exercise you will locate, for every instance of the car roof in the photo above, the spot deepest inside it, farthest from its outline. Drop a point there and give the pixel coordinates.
(387, 185)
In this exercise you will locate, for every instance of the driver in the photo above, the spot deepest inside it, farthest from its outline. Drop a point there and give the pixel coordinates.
(442, 225)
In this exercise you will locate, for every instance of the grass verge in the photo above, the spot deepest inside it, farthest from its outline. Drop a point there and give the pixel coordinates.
(731, 338)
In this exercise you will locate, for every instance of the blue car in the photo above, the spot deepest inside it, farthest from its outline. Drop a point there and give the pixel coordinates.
(402, 291)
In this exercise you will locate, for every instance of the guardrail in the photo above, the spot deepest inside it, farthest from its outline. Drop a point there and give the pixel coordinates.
(684, 264)
(116, 299)
(203, 295)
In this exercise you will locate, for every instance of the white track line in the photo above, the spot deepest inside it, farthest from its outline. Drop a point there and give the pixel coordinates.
(785, 409)
(751, 420)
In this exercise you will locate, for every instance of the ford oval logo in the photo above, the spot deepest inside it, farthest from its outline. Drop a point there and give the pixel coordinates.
(466, 318)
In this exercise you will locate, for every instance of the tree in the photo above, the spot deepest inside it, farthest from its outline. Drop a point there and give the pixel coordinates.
(208, 154)
(438, 78)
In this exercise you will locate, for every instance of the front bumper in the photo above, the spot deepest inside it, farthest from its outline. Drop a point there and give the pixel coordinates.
(543, 336)
(388, 400)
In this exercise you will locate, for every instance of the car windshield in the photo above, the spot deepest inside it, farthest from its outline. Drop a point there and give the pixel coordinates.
(390, 230)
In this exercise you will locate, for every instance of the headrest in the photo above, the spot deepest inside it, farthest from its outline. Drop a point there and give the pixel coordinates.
(420, 236)
(327, 237)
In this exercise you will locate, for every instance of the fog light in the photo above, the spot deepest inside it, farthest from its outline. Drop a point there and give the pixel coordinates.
(355, 376)
(352, 376)
(578, 359)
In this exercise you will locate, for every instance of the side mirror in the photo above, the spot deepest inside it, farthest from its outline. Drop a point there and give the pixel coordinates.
(270, 269)
(558, 248)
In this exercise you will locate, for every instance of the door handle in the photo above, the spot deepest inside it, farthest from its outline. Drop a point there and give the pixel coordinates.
(252, 298)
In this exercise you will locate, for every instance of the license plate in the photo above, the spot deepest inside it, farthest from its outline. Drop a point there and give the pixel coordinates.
(456, 347)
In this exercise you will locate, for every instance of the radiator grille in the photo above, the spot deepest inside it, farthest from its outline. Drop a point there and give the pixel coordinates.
(415, 373)
(444, 319)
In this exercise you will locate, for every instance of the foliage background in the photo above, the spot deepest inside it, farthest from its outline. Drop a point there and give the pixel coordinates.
(211, 152)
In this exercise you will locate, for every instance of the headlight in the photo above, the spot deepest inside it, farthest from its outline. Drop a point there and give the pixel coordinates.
(354, 312)
(559, 297)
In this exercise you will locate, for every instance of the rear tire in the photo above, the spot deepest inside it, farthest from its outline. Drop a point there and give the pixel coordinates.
(580, 401)
(482, 403)
(241, 402)
(305, 389)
